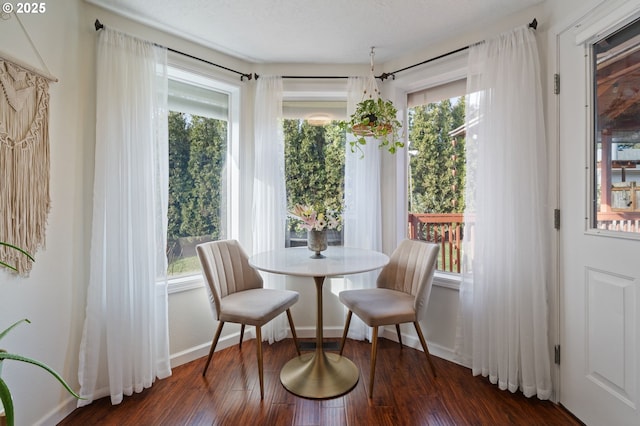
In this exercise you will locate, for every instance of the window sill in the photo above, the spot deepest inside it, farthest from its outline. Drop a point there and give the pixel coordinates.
(189, 282)
(444, 279)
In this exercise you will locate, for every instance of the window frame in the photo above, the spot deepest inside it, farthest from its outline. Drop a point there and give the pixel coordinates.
(188, 70)
(315, 91)
(443, 71)
(592, 33)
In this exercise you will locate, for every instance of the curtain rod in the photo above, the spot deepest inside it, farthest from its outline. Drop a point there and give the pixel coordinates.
(533, 24)
(313, 76)
(98, 25)
(310, 77)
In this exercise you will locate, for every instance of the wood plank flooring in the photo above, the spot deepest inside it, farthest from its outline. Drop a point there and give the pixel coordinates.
(404, 394)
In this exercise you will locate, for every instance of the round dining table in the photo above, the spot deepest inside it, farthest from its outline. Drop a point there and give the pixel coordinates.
(319, 374)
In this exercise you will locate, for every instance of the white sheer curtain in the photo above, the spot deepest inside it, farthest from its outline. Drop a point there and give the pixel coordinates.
(362, 212)
(269, 193)
(125, 343)
(503, 298)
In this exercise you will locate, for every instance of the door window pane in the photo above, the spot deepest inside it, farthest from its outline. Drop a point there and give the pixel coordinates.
(616, 71)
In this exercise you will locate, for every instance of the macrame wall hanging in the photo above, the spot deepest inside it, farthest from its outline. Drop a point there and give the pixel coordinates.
(24, 158)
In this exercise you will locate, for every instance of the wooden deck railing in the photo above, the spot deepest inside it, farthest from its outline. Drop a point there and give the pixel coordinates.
(619, 221)
(447, 230)
(443, 228)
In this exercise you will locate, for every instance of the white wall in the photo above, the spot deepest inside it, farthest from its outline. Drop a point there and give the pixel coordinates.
(53, 296)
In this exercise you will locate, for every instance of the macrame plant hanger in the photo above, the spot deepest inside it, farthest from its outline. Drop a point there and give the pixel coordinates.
(24, 157)
(371, 87)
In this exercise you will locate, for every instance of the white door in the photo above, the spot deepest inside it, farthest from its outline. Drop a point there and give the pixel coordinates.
(599, 275)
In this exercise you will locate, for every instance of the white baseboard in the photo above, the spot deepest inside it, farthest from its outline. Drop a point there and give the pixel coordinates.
(58, 414)
(310, 332)
(199, 351)
(195, 352)
(411, 341)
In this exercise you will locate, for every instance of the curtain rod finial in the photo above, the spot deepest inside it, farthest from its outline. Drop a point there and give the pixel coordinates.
(534, 24)
(98, 25)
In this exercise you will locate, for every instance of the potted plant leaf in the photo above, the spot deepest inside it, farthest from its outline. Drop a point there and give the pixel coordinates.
(5, 395)
(11, 246)
(375, 118)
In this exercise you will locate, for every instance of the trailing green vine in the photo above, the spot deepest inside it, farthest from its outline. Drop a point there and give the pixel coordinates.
(374, 118)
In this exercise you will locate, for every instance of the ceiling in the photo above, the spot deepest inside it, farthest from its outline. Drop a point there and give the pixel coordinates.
(316, 31)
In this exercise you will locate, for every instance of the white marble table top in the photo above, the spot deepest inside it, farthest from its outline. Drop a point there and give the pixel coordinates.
(338, 261)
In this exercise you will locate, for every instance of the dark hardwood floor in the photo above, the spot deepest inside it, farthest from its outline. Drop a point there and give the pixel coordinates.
(404, 394)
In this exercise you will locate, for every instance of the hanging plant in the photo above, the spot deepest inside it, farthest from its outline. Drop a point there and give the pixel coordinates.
(374, 118)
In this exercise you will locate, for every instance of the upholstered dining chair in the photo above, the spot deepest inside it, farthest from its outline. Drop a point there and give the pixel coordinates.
(401, 296)
(238, 296)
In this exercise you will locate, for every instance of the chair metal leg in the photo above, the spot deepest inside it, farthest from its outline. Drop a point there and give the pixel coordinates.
(399, 335)
(241, 336)
(259, 349)
(293, 331)
(424, 347)
(213, 346)
(346, 330)
(374, 353)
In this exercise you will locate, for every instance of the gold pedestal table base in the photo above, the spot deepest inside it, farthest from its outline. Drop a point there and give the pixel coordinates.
(319, 375)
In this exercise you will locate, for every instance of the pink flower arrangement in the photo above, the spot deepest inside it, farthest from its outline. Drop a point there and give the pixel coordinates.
(315, 219)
